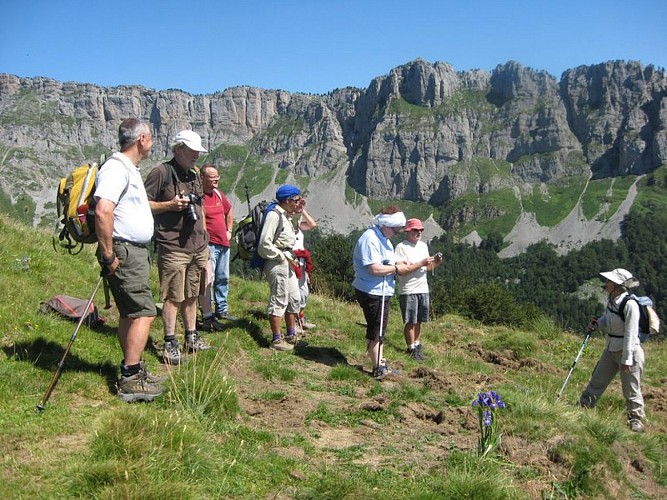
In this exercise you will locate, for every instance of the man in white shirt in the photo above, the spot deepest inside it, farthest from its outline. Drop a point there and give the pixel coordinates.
(413, 285)
(124, 227)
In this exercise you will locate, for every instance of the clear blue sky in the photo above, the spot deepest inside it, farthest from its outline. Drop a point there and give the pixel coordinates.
(314, 45)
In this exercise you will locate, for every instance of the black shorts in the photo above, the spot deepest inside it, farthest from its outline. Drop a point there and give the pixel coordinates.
(372, 307)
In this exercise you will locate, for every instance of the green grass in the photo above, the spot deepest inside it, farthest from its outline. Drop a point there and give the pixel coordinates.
(243, 421)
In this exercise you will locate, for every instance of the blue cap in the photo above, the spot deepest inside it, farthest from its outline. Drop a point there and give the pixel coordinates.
(287, 191)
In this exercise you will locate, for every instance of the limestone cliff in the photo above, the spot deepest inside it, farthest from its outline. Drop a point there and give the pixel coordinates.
(424, 132)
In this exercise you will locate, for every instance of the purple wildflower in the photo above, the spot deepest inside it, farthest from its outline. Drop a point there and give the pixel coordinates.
(488, 418)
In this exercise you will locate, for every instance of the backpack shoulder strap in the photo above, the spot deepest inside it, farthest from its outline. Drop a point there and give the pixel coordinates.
(279, 229)
(621, 307)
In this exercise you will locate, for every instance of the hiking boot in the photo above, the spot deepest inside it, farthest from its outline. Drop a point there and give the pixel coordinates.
(282, 345)
(137, 388)
(151, 378)
(636, 425)
(307, 325)
(171, 353)
(291, 339)
(194, 343)
(415, 353)
(209, 325)
(383, 371)
(226, 315)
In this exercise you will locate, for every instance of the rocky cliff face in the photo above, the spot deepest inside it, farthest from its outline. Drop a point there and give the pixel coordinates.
(415, 133)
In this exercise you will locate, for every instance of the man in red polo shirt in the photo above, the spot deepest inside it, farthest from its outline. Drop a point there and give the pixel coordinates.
(219, 221)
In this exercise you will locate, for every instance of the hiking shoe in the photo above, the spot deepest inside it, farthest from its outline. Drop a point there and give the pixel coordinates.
(194, 343)
(382, 371)
(171, 353)
(282, 345)
(415, 354)
(307, 325)
(291, 339)
(209, 325)
(137, 388)
(636, 425)
(151, 378)
(226, 315)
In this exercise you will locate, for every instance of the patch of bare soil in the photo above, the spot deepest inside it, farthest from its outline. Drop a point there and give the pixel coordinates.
(421, 436)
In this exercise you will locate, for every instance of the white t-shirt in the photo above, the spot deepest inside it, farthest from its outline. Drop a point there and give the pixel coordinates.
(416, 281)
(298, 243)
(133, 219)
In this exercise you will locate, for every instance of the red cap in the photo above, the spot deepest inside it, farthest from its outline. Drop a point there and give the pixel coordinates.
(413, 224)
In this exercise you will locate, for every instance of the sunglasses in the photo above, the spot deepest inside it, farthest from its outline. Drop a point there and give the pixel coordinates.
(417, 230)
(296, 199)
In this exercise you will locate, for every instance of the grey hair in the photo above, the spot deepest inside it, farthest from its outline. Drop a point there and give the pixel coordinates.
(130, 130)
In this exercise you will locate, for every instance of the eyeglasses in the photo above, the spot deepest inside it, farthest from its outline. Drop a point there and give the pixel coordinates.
(417, 230)
(295, 199)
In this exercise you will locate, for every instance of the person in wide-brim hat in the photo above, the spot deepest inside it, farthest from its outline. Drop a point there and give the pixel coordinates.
(623, 352)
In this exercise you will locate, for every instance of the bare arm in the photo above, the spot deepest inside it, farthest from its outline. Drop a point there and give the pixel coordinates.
(104, 230)
(229, 220)
(177, 204)
(384, 269)
(307, 222)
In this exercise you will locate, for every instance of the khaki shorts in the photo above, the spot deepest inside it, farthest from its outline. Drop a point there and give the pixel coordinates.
(129, 285)
(181, 273)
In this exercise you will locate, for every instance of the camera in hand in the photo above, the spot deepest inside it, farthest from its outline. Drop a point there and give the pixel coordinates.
(191, 212)
(438, 256)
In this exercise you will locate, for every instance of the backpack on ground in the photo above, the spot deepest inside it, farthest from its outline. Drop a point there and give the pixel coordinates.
(247, 233)
(649, 321)
(76, 208)
(72, 308)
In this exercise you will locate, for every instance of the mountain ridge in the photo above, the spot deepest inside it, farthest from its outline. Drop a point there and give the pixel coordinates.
(411, 135)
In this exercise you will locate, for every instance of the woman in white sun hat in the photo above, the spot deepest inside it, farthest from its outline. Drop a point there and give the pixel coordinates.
(623, 352)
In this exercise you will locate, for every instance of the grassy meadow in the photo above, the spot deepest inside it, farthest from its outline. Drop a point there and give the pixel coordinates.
(242, 421)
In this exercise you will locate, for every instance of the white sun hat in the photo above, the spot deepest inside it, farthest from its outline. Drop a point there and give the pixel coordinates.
(621, 277)
(191, 139)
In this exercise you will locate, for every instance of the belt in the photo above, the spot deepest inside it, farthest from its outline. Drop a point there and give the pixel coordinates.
(128, 242)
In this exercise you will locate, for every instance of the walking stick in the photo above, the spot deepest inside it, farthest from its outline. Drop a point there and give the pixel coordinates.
(56, 376)
(574, 363)
(381, 336)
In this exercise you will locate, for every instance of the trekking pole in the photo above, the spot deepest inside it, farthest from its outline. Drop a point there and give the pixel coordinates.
(56, 376)
(381, 336)
(574, 363)
(247, 197)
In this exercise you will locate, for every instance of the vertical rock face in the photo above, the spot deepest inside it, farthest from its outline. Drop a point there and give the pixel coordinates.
(423, 132)
(616, 112)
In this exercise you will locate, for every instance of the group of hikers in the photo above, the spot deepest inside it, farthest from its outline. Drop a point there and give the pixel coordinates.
(191, 222)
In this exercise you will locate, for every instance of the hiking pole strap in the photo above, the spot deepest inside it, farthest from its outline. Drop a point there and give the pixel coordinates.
(107, 297)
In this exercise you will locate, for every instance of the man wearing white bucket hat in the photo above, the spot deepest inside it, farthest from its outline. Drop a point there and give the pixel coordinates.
(175, 195)
(623, 352)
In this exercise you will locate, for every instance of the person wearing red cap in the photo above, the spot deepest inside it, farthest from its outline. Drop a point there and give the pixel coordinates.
(623, 352)
(413, 285)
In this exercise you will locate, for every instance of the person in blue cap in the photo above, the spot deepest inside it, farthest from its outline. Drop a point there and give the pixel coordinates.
(276, 250)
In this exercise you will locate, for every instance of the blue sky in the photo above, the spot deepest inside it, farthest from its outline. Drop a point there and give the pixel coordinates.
(314, 45)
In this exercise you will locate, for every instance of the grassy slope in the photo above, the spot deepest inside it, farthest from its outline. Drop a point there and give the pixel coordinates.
(308, 425)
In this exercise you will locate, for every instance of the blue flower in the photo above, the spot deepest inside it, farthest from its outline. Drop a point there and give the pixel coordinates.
(488, 418)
